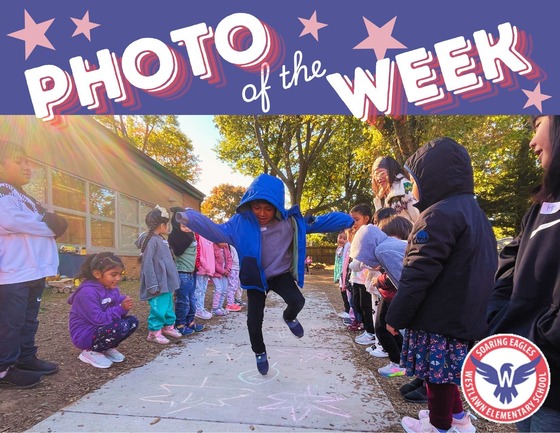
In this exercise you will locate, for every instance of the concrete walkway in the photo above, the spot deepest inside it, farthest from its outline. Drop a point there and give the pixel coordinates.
(210, 384)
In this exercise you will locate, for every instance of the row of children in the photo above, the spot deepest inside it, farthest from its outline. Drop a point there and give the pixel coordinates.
(174, 276)
(445, 288)
(173, 281)
(427, 258)
(444, 297)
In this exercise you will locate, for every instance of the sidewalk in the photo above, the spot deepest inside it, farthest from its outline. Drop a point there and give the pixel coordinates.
(210, 384)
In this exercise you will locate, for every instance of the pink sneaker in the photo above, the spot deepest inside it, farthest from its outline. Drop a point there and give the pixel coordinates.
(233, 307)
(170, 331)
(463, 425)
(156, 337)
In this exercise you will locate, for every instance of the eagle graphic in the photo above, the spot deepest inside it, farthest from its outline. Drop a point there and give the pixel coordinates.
(507, 378)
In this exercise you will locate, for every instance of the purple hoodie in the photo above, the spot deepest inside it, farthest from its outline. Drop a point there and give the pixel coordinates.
(93, 306)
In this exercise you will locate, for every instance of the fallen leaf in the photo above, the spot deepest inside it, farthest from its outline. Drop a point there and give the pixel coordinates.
(158, 419)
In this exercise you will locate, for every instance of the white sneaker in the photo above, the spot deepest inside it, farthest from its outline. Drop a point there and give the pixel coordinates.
(343, 315)
(372, 336)
(391, 370)
(463, 425)
(371, 348)
(379, 352)
(203, 314)
(97, 359)
(113, 355)
(365, 339)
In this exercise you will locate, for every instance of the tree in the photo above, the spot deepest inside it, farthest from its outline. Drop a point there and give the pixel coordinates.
(312, 155)
(160, 138)
(222, 202)
(325, 161)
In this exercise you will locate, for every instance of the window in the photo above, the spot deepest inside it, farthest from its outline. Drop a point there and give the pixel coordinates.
(128, 237)
(131, 216)
(102, 233)
(97, 216)
(37, 187)
(68, 192)
(76, 231)
(101, 201)
(128, 210)
(144, 209)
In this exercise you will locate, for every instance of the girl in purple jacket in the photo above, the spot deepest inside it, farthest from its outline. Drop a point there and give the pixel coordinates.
(99, 319)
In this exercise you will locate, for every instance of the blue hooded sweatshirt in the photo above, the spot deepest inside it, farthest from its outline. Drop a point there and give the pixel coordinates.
(243, 230)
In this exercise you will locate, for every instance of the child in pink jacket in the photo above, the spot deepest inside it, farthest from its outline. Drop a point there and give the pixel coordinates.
(205, 265)
(222, 257)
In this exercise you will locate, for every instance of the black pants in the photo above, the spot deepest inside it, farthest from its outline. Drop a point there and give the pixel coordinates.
(345, 301)
(363, 305)
(19, 304)
(392, 344)
(285, 286)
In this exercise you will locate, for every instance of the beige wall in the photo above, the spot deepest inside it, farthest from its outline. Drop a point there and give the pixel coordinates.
(84, 148)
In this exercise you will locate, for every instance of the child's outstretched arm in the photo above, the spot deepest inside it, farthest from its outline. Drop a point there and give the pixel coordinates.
(330, 222)
(204, 226)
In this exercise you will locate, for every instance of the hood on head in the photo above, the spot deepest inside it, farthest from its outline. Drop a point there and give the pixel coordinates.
(441, 168)
(264, 187)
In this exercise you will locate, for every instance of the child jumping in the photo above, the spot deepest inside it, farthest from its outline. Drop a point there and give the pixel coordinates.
(158, 277)
(28, 255)
(99, 319)
(447, 278)
(270, 241)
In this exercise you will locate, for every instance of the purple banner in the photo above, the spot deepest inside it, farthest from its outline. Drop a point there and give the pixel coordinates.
(364, 58)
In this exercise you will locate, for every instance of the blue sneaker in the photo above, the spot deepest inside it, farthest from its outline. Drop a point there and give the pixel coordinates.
(295, 327)
(262, 363)
(195, 327)
(185, 330)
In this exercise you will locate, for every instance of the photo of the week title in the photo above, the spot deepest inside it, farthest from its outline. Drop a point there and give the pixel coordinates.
(459, 67)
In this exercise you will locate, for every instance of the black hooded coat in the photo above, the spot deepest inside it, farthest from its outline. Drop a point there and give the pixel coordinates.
(451, 257)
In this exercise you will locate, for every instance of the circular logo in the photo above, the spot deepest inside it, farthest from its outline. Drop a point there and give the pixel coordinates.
(505, 378)
(421, 237)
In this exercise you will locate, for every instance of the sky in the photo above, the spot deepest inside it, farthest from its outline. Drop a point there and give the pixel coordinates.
(205, 136)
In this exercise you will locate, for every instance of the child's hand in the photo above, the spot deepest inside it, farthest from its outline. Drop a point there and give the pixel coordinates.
(127, 303)
(391, 330)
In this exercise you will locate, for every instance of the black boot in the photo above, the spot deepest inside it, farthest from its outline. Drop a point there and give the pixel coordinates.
(20, 378)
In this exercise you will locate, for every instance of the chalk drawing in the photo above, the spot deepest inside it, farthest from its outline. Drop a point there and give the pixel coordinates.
(253, 377)
(183, 397)
(225, 352)
(300, 406)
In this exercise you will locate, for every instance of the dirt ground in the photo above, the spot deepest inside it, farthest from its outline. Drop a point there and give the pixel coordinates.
(21, 409)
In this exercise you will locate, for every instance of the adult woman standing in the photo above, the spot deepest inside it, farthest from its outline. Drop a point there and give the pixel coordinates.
(392, 188)
(526, 297)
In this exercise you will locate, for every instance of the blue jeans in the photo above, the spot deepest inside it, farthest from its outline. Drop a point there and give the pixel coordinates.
(19, 307)
(545, 419)
(185, 299)
(201, 286)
